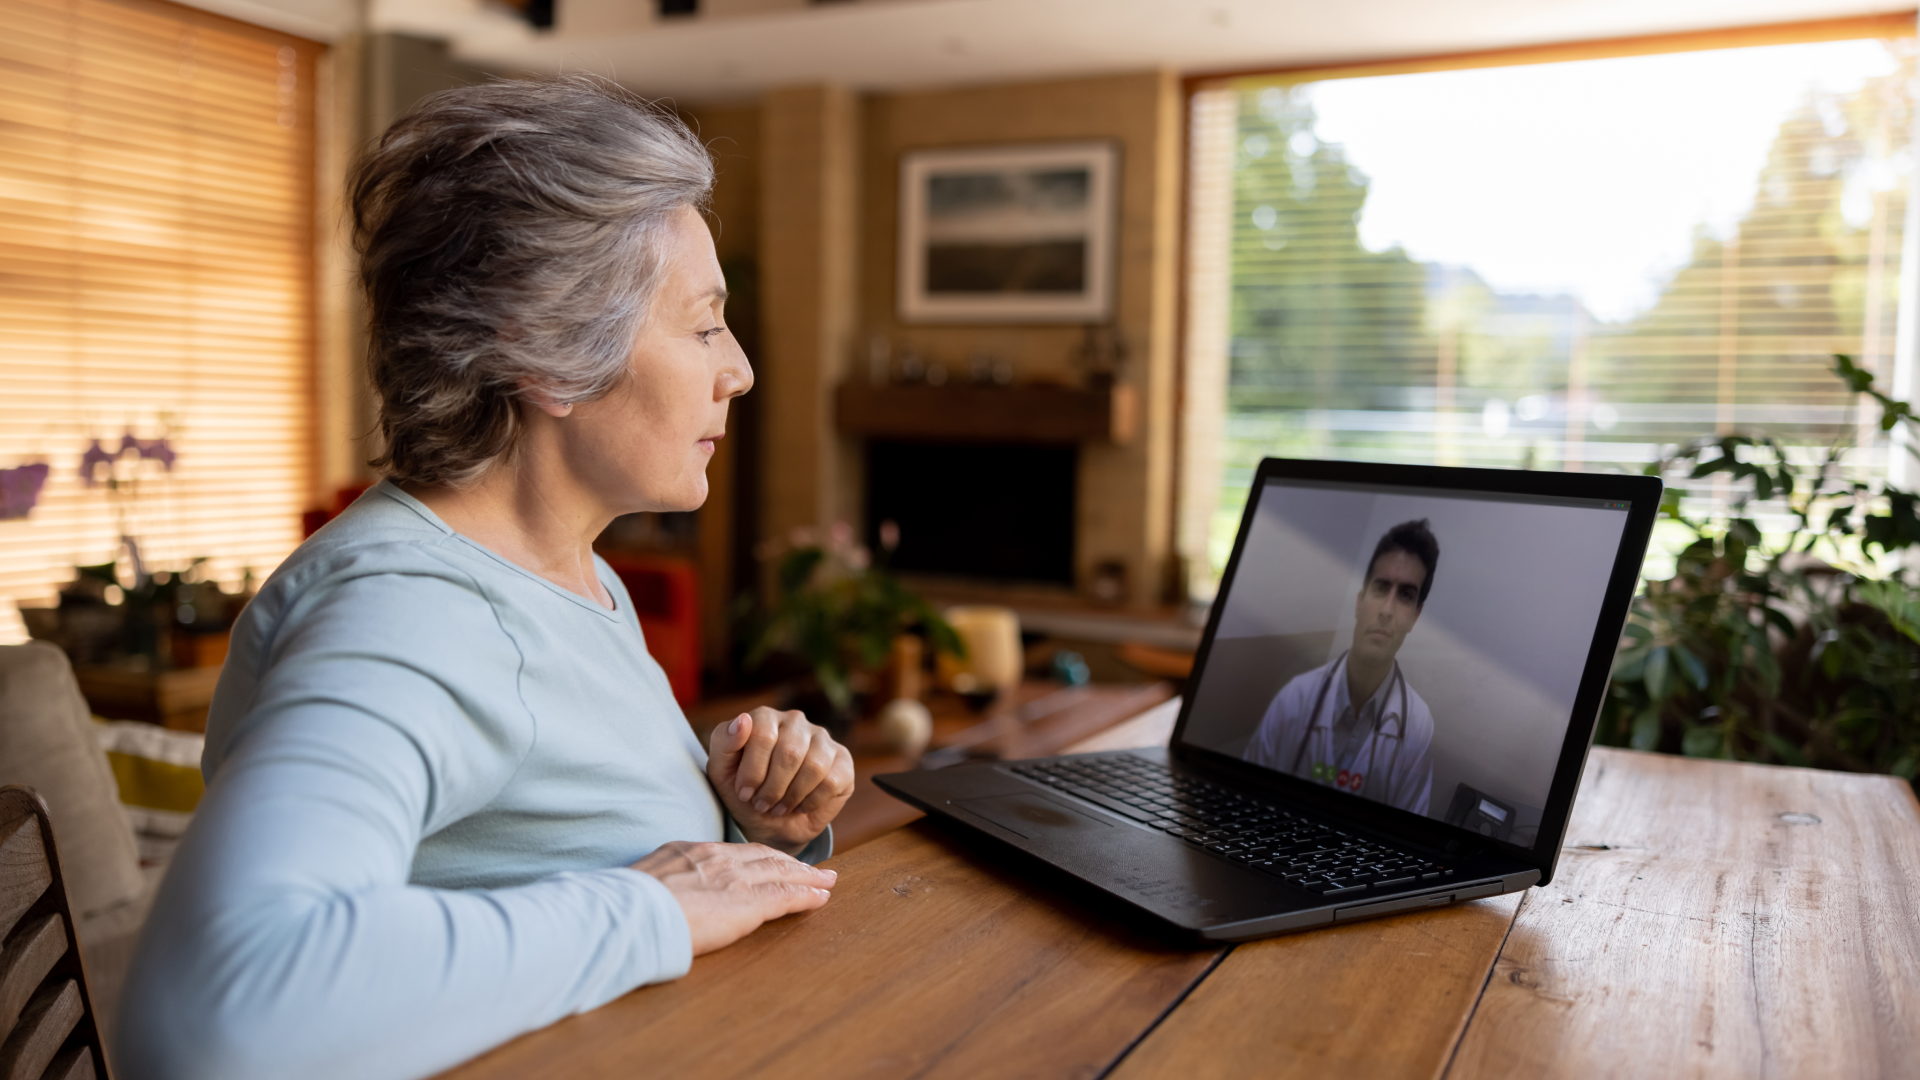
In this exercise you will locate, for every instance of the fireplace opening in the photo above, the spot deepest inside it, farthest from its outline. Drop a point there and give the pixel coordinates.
(1000, 512)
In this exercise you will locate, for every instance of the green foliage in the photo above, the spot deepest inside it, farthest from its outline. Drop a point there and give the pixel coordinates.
(1325, 330)
(1782, 648)
(839, 612)
(1318, 320)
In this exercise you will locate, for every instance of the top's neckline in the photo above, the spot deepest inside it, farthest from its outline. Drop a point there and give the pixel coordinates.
(393, 491)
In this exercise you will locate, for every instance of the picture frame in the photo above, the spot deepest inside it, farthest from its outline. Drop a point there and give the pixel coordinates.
(1009, 233)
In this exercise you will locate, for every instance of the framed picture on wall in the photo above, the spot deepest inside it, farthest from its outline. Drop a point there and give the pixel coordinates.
(1008, 233)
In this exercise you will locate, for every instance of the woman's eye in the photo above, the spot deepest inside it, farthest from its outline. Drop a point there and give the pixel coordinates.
(709, 335)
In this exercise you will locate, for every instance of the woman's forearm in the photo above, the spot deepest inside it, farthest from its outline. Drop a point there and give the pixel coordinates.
(287, 942)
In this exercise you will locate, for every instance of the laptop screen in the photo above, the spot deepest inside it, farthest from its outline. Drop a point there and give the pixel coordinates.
(1413, 646)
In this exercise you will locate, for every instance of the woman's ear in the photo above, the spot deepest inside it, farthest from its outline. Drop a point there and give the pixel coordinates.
(546, 402)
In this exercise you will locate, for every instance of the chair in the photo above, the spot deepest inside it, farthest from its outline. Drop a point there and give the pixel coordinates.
(47, 1029)
(48, 744)
(666, 597)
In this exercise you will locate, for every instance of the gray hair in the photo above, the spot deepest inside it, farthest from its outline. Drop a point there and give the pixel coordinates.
(510, 243)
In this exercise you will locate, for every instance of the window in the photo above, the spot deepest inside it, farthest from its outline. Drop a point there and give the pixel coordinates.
(1565, 265)
(156, 252)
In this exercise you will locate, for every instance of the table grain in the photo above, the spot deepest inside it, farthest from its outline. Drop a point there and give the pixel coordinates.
(1706, 919)
(929, 962)
(1715, 919)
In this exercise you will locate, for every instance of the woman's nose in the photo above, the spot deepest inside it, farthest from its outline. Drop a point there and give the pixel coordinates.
(736, 375)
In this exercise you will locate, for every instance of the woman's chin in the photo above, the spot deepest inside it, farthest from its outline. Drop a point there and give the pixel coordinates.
(689, 497)
(661, 495)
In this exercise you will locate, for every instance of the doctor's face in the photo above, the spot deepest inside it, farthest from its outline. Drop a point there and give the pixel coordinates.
(1388, 605)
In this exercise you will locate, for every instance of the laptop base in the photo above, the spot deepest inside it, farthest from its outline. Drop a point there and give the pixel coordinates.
(1178, 883)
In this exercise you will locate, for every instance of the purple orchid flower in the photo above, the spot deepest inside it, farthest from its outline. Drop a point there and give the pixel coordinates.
(20, 489)
(159, 450)
(99, 454)
(91, 461)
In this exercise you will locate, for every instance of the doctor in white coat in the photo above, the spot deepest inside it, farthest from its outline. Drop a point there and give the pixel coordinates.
(1380, 748)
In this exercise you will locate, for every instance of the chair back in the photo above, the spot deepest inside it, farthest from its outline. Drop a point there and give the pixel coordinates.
(666, 597)
(47, 1029)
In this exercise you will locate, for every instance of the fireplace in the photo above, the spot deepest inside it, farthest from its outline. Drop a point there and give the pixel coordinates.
(993, 511)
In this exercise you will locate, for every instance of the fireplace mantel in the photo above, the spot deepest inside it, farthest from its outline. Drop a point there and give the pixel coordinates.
(996, 414)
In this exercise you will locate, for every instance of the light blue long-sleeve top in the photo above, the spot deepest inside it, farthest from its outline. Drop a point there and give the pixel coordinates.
(428, 770)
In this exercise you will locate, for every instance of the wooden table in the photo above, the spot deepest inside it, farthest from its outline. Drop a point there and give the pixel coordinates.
(1708, 919)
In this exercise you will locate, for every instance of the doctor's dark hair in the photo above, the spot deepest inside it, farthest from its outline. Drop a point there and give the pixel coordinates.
(1416, 539)
(511, 243)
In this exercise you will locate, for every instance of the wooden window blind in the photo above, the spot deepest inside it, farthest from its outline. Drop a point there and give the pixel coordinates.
(156, 264)
(1331, 348)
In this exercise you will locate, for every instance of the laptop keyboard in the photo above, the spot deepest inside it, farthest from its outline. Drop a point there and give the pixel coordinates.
(1304, 852)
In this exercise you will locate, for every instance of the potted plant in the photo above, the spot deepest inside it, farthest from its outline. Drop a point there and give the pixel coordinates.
(838, 610)
(1799, 647)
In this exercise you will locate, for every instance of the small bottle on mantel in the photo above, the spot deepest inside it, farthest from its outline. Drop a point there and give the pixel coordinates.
(1109, 583)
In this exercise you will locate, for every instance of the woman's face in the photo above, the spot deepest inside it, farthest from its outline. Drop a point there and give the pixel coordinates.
(646, 445)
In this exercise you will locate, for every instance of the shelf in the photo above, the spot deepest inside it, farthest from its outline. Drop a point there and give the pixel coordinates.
(176, 699)
(1021, 414)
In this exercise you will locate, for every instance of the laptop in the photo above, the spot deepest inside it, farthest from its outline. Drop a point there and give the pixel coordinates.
(1389, 709)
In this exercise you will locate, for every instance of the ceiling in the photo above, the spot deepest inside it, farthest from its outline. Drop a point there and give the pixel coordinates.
(736, 48)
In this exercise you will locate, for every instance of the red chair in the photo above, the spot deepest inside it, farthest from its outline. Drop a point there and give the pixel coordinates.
(312, 520)
(666, 596)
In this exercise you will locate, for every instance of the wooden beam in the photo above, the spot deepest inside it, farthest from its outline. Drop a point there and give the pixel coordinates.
(988, 414)
(1890, 25)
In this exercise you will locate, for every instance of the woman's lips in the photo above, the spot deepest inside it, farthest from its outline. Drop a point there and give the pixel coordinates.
(707, 443)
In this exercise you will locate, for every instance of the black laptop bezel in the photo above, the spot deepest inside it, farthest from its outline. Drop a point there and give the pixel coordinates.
(1640, 493)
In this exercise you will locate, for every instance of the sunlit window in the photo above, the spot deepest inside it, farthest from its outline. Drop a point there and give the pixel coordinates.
(1561, 265)
(156, 323)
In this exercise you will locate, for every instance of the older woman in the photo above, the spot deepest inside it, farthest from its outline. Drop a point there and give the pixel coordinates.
(451, 798)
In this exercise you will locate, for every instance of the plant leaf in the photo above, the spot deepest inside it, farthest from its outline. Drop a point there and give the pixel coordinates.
(797, 568)
(1783, 749)
(1630, 666)
(1691, 667)
(1646, 730)
(1656, 673)
(1702, 742)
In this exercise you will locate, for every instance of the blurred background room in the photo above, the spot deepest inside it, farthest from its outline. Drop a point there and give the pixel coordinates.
(1029, 285)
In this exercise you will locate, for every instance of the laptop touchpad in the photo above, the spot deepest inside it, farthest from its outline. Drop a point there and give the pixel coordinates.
(1030, 815)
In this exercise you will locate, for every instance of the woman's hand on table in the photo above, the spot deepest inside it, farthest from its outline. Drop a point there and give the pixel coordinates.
(782, 779)
(728, 890)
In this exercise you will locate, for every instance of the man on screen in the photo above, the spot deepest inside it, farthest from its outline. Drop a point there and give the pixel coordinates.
(1380, 747)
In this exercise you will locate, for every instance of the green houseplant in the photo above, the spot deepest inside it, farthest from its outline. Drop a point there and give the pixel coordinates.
(838, 610)
(1794, 646)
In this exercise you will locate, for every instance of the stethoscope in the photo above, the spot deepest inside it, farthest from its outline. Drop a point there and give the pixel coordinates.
(1323, 769)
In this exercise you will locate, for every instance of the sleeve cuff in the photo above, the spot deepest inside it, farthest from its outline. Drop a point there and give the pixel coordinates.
(672, 938)
(818, 850)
